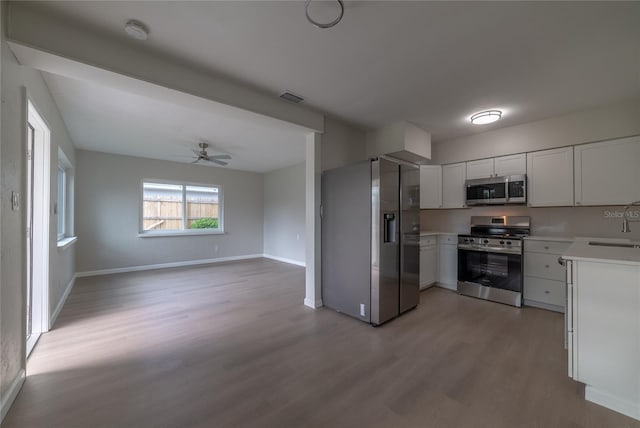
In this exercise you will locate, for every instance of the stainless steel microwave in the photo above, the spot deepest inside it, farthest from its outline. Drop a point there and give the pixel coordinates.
(510, 189)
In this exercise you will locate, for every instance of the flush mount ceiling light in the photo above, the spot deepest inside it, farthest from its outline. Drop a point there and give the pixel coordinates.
(136, 29)
(487, 116)
(320, 24)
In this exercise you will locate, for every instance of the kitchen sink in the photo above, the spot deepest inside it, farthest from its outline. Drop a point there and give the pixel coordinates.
(615, 244)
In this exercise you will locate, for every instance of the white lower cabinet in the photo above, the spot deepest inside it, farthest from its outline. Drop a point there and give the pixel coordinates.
(603, 332)
(428, 261)
(448, 261)
(544, 277)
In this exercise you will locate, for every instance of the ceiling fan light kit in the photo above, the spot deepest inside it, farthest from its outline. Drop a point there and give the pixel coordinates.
(202, 155)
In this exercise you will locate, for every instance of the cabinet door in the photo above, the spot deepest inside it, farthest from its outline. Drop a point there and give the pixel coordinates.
(482, 168)
(448, 265)
(550, 177)
(453, 191)
(430, 186)
(608, 173)
(510, 165)
(428, 266)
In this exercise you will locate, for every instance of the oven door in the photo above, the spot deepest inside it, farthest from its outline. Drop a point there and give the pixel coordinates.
(485, 192)
(490, 269)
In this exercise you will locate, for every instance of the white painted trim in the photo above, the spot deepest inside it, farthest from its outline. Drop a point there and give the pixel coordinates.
(65, 243)
(166, 265)
(612, 402)
(285, 260)
(62, 301)
(12, 393)
(313, 304)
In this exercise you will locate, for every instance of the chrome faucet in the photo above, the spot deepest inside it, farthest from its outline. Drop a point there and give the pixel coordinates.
(625, 219)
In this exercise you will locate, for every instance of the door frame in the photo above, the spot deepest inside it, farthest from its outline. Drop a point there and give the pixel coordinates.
(41, 207)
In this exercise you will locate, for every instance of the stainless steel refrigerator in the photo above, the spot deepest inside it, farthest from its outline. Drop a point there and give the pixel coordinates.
(371, 239)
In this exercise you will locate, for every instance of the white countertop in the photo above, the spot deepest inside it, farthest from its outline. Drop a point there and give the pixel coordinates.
(581, 250)
(434, 233)
(550, 238)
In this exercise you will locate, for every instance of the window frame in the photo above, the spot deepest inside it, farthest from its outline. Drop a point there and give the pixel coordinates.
(66, 210)
(181, 232)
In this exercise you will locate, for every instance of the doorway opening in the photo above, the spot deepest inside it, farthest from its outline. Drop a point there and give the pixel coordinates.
(37, 226)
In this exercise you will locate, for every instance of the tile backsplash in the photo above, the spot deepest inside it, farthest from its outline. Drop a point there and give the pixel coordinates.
(601, 222)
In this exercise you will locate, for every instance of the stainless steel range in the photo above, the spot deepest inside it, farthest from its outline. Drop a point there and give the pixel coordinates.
(490, 259)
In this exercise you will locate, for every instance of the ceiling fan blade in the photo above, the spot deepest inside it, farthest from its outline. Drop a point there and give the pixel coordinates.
(220, 157)
(217, 161)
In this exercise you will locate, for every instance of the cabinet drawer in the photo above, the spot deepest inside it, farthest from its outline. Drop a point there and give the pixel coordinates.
(544, 290)
(550, 247)
(448, 239)
(427, 241)
(543, 266)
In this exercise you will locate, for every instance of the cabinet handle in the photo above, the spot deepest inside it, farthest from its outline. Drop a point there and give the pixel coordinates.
(546, 291)
(546, 248)
(578, 202)
(547, 266)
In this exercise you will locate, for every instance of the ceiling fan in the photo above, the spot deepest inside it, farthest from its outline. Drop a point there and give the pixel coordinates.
(202, 155)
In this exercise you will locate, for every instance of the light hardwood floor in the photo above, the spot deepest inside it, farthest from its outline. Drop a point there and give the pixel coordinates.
(231, 345)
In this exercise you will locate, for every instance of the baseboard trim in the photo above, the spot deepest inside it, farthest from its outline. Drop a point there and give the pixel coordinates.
(612, 402)
(63, 299)
(11, 394)
(453, 287)
(542, 305)
(166, 265)
(285, 260)
(313, 304)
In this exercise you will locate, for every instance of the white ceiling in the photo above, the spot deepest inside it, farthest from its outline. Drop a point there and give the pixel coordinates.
(104, 119)
(433, 63)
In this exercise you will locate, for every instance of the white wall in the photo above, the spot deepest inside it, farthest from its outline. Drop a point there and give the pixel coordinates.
(342, 144)
(108, 208)
(284, 213)
(15, 79)
(613, 121)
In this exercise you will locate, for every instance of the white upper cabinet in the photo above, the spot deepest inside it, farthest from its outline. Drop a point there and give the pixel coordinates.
(550, 177)
(453, 190)
(482, 168)
(510, 165)
(497, 167)
(431, 186)
(608, 173)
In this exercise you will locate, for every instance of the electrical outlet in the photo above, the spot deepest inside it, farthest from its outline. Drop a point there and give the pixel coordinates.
(361, 309)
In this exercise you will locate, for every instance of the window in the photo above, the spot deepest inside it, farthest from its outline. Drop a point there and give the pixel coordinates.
(62, 188)
(172, 208)
(64, 202)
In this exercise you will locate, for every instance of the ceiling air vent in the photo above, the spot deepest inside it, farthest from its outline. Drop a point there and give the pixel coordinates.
(291, 97)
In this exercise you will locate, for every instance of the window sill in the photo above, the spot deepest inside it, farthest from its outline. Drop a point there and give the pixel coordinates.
(65, 243)
(179, 233)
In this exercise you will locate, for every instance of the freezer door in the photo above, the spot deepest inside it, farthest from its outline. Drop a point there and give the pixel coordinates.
(410, 237)
(346, 243)
(385, 240)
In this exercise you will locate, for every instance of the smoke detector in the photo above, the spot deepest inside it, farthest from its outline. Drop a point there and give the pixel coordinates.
(136, 29)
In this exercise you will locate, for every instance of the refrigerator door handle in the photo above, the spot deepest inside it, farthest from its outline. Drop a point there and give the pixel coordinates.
(389, 227)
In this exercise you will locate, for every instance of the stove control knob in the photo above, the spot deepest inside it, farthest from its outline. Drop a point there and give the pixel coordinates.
(471, 240)
(501, 242)
(486, 241)
(508, 242)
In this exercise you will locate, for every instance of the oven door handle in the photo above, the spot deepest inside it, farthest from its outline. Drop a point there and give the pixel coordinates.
(499, 250)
